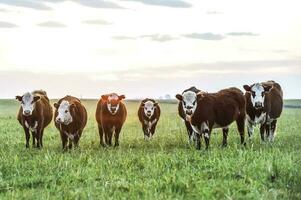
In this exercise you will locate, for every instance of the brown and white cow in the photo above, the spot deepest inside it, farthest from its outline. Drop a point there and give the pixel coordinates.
(218, 110)
(34, 115)
(111, 114)
(264, 102)
(149, 115)
(70, 119)
(186, 107)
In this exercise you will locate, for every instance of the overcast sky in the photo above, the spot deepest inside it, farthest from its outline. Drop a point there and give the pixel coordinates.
(147, 48)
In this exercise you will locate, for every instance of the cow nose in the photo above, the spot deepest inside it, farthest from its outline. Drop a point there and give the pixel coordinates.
(189, 112)
(258, 104)
(148, 112)
(58, 120)
(189, 107)
(27, 112)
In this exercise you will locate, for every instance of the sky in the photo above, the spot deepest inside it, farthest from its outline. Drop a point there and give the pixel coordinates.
(147, 48)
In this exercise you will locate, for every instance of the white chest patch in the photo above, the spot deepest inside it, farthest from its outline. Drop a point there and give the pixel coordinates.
(261, 119)
(32, 128)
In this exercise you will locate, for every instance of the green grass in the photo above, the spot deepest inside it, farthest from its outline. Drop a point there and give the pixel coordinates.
(164, 168)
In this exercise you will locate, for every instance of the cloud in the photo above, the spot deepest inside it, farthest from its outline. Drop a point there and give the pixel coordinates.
(121, 37)
(98, 4)
(52, 24)
(96, 22)
(205, 36)
(7, 25)
(213, 12)
(34, 4)
(242, 34)
(159, 37)
(166, 3)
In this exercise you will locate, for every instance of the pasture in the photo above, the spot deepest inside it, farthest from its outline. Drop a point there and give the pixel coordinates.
(164, 168)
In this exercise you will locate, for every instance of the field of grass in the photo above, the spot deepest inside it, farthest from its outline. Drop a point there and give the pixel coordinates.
(164, 168)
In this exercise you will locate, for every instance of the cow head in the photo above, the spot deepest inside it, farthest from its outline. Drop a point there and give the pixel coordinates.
(149, 107)
(189, 101)
(28, 103)
(112, 101)
(257, 92)
(64, 110)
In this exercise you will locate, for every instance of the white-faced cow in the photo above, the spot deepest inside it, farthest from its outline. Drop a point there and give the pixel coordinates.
(218, 110)
(149, 115)
(110, 115)
(186, 107)
(264, 105)
(70, 119)
(34, 115)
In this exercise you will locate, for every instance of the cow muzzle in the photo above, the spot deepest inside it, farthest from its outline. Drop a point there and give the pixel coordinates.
(258, 105)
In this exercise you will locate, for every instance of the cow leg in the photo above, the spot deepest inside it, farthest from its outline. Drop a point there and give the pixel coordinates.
(108, 135)
(267, 129)
(100, 131)
(70, 143)
(38, 136)
(198, 141)
(77, 137)
(240, 122)
(189, 131)
(272, 130)
(27, 136)
(64, 140)
(250, 128)
(33, 134)
(117, 132)
(207, 138)
(225, 136)
(262, 131)
(41, 137)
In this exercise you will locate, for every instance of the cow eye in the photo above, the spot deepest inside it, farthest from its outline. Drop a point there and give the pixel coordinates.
(66, 111)
(194, 102)
(262, 94)
(184, 103)
(253, 94)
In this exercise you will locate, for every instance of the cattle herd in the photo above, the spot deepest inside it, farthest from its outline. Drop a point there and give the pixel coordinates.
(201, 112)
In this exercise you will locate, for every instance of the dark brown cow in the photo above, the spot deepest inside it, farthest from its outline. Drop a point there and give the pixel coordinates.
(34, 115)
(186, 107)
(149, 115)
(219, 110)
(264, 102)
(110, 115)
(70, 119)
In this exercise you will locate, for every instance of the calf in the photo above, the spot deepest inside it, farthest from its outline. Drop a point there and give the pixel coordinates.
(110, 115)
(34, 115)
(186, 107)
(149, 115)
(218, 110)
(70, 119)
(264, 102)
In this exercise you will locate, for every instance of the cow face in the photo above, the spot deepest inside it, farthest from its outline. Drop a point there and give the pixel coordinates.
(189, 102)
(28, 103)
(64, 112)
(257, 92)
(112, 101)
(149, 108)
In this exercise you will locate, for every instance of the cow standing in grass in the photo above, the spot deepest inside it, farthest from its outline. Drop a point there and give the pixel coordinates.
(70, 120)
(218, 110)
(149, 115)
(264, 106)
(111, 114)
(34, 115)
(186, 107)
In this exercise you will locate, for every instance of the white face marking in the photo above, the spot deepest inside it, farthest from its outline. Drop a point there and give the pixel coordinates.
(27, 104)
(113, 104)
(257, 95)
(64, 115)
(149, 108)
(189, 102)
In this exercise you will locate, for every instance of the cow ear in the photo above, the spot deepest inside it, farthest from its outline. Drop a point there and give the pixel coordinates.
(267, 88)
(104, 97)
(179, 97)
(56, 105)
(247, 88)
(199, 95)
(36, 98)
(121, 97)
(156, 104)
(19, 98)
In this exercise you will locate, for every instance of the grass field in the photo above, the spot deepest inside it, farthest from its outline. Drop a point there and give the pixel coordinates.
(164, 168)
